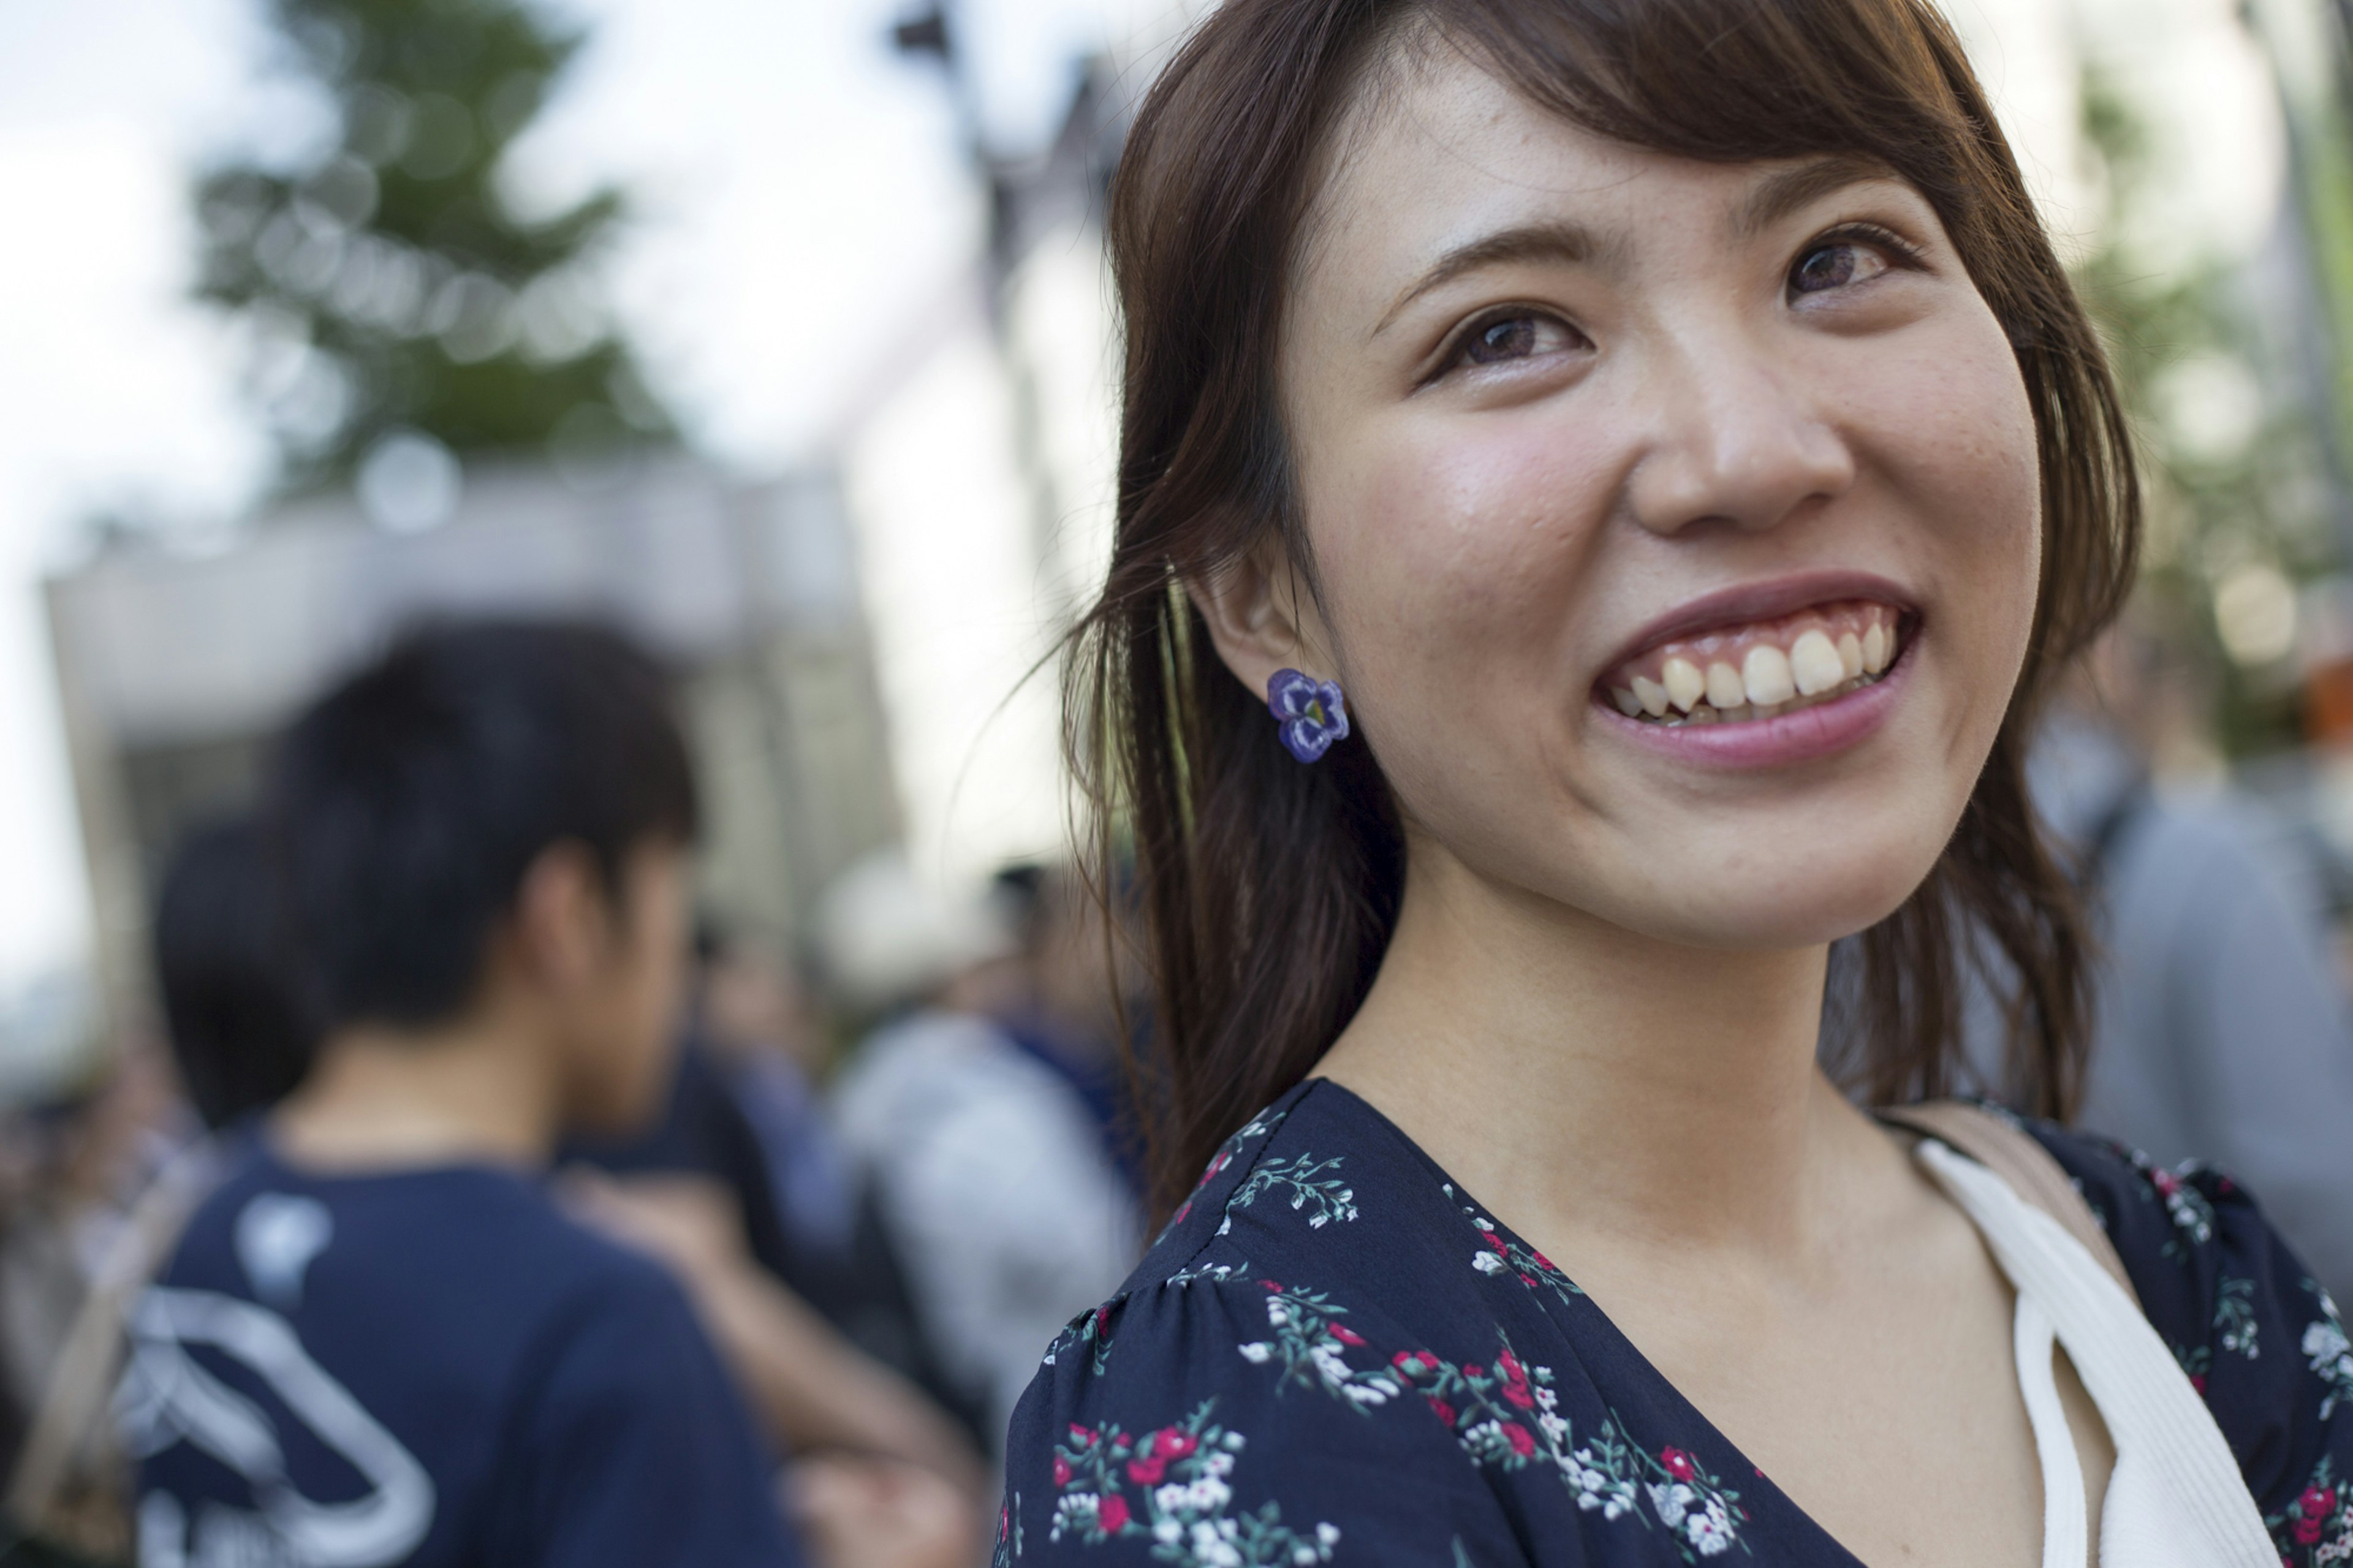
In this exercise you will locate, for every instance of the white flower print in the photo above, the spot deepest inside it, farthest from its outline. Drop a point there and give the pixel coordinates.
(2324, 1346)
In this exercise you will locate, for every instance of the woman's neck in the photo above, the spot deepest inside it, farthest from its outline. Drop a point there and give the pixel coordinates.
(1584, 1081)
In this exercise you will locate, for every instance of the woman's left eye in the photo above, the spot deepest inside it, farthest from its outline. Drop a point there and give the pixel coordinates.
(1837, 265)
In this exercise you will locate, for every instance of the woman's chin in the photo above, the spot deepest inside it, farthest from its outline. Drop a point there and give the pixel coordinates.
(1774, 903)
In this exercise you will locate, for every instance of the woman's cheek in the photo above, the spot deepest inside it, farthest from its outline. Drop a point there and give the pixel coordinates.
(1467, 534)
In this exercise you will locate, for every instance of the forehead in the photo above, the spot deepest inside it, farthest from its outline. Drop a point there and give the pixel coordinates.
(1436, 153)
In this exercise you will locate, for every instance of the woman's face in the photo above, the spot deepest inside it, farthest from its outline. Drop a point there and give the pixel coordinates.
(1677, 524)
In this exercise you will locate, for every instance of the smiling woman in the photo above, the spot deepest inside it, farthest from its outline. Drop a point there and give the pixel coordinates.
(1660, 431)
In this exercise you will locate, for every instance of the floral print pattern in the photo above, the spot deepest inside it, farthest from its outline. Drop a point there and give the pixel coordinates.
(1172, 1488)
(1499, 1253)
(2234, 1318)
(1508, 1417)
(2318, 1527)
(1391, 1374)
(1311, 1345)
(2330, 1357)
(1323, 1197)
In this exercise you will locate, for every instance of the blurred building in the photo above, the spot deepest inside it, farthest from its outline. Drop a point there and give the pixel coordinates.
(173, 670)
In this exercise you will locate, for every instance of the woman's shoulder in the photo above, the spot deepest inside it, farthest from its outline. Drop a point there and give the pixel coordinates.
(1232, 1395)
(2256, 1334)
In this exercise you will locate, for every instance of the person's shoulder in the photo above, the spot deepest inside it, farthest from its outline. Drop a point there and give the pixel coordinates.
(1235, 1381)
(2255, 1332)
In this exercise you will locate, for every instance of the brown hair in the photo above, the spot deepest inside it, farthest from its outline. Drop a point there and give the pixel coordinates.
(1269, 889)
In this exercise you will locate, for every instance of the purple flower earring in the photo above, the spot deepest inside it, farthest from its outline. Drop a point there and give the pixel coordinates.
(1311, 713)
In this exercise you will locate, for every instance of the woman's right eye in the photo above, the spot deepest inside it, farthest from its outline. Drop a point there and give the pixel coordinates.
(1522, 335)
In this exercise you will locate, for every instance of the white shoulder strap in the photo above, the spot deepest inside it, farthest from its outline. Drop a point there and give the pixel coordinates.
(2176, 1499)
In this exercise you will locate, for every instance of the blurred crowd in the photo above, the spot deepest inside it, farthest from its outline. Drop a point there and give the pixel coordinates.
(887, 1163)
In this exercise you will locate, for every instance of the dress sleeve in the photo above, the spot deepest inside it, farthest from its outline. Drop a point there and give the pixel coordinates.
(2259, 1337)
(1214, 1420)
(638, 1450)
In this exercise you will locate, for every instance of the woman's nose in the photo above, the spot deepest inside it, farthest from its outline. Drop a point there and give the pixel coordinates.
(1739, 441)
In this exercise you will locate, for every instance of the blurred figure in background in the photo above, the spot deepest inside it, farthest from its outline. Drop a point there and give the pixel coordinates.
(816, 1327)
(1070, 997)
(2223, 1028)
(1009, 1213)
(239, 1045)
(378, 1340)
(73, 1177)
(236, 1029)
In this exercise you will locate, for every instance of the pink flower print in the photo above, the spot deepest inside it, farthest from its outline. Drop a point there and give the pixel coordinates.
(2165, 1181)
(1415, 1363)
(1517, 1436)
(1515, 1381)
(1215, 1165)
(1147, 1467)
(1474, 1370)
(2308, 1531)
(2198, 1381)
(1346, 1335)
(1443, 1411)
(1062, 1471)
(1269, 1284)
(1172, 1444)
(1111, 1514)
(1678, 1464)
(1542, 1262)
(1081, 1437)
(2317, 1501)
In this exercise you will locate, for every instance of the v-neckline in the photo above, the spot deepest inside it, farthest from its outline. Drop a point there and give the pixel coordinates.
(1671, 1399)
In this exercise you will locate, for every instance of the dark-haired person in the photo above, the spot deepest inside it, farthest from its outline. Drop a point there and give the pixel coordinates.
(1605, 486)
(235, 1031)
(379, 1342)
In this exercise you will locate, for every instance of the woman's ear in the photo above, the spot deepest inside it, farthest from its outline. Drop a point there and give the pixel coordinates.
(1261, 617)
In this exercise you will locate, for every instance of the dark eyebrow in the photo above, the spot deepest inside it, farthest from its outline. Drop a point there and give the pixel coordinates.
(1559, 242)
(1784, 191)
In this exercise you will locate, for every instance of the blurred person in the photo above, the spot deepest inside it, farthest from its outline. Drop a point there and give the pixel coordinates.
(1007, 1212)
(238, 1047)
(761, 1033)
(379, 1340)
(232, 1019)
(793, 1314)
(1070, 999)
(755, 1014)
(2221, 1032)
(84, 1169)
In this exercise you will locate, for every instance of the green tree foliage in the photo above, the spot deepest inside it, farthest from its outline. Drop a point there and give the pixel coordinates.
(386, 286)
(2232, 461)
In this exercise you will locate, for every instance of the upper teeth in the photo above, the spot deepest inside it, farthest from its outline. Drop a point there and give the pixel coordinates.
(1765, 678)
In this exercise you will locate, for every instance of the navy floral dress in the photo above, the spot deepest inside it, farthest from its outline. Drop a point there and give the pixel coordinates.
(1333, 1354)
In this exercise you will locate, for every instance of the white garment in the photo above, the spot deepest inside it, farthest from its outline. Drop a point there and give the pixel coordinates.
(2176, 1499)
(994, 1180)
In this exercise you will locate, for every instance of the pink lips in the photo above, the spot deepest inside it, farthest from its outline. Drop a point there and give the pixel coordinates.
(1783, 741)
